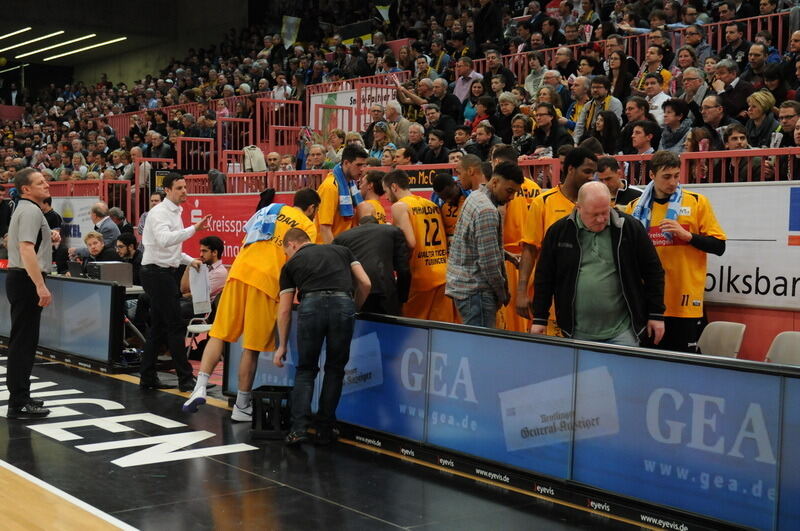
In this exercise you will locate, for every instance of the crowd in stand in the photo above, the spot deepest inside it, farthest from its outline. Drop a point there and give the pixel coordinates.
(676, 99)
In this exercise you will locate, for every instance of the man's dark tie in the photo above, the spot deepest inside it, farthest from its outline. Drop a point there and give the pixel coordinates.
(96, 227)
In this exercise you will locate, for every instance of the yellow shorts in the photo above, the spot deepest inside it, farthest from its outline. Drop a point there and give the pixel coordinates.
(432, 305)
(246, 311)
(510, 318)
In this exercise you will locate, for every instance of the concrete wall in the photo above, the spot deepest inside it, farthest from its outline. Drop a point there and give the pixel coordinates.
(166, 30)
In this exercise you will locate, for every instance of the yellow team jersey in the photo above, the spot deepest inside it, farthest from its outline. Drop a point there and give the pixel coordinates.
(684, 265)
(328, 212)
(516, 216)
(380, 212)
(546, 208)
(428, 260)
(450, 215)
(259, 264)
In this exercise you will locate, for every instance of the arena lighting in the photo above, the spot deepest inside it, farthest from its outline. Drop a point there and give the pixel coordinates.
(15, 67)
(23, 30)
(26, 54)
(112, 41)
(32, 41)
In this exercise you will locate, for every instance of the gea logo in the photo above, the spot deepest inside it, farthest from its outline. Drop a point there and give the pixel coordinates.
(413, 371)
(545, 490)
(597, 506)
(704, 419)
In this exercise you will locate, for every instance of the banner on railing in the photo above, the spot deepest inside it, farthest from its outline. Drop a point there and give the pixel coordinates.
(759, 266)
(75, 211)
(347, 98)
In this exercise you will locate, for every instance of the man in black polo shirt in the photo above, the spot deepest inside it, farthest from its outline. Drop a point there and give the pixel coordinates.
(327, 277)
(382, 251)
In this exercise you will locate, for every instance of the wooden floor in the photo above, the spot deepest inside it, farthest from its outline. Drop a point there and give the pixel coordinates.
(27, 503)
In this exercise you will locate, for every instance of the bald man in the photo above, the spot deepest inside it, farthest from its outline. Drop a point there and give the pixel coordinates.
(604, 274)
(273, 161)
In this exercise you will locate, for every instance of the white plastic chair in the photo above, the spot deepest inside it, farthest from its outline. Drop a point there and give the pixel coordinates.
(721, 338)
(785, 349)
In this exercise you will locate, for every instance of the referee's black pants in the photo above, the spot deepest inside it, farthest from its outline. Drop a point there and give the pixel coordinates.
(26, 315)
(162, 285)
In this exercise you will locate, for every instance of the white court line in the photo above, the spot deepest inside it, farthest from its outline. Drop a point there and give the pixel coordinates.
(68, 497)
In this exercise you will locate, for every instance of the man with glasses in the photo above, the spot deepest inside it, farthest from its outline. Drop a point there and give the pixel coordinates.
(788, 112)
(714, 117)
(601, 101)
(695, 90)
(659, 37)
(564, 62)
(376, 114)
(549, 133)
(693, 36)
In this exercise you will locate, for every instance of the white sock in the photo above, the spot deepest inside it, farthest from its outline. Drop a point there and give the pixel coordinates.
(202, 380)
(243, 399)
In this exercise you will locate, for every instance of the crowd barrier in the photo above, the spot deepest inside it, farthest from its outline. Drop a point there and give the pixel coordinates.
(195, 154)
(708, 436)
(278, 124)
(234, 133)
(84, 324)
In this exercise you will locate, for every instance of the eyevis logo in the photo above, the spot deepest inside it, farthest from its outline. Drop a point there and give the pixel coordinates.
(598, 506)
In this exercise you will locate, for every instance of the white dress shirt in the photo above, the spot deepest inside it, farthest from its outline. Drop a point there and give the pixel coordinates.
(163, 235)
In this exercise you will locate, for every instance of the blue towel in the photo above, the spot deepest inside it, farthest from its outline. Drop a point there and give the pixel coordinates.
(643, 211)
(439, 201)
(261, 225)
(349, 195)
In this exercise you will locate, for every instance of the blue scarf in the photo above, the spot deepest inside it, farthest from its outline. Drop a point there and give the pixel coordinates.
(440, 202)
(643, 211)
(261, 225)
(349, 195)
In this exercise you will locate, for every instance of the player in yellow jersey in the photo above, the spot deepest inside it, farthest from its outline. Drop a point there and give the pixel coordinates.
(340, 195)
(371, 187)
(684, 229)
(423, 228)
(516, 211)
(450, 200)
(248, 305)
(548, 207)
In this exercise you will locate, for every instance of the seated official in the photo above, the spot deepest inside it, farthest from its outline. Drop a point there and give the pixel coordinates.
(211, 249)
(126, 250)
(98, 251)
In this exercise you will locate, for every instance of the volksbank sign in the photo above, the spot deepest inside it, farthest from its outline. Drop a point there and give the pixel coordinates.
(759, 267)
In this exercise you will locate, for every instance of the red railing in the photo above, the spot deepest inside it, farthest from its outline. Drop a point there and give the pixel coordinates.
(278, 124)
(231, 161)
(350, 84)
(234, 133)
(289, 181)
(195, 154)
(114, 193)
(329, 117)
(544, 172)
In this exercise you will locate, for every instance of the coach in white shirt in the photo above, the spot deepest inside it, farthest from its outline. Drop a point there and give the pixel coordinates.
(163, 237)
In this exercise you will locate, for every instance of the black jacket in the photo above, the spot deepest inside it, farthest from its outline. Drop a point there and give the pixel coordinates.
(382, 251)
(558, 137)
(638, 265)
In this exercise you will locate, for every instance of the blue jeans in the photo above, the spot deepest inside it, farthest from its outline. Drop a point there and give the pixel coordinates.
(625, 338)
(329, 317)
(478, 309)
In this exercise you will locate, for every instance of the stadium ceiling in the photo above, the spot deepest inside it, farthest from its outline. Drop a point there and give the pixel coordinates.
(62, 45)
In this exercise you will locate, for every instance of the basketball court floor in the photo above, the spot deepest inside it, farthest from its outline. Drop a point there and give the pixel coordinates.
(112, 456)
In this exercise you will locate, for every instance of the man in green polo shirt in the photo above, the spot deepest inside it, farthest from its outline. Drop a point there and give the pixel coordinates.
(604, 273)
